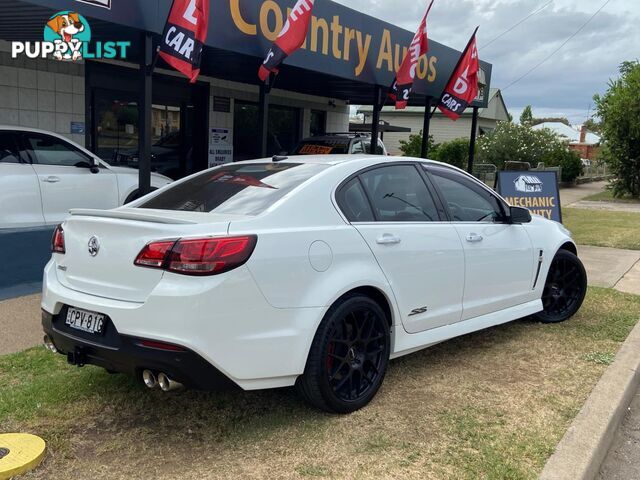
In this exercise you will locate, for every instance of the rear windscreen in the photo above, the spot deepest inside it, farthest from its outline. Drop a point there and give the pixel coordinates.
(235, 189)
(322, 147)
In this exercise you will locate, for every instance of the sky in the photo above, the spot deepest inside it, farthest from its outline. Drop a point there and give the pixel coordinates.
(562, 86)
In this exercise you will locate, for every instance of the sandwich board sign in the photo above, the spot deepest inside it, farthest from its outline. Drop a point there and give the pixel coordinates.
(536, 191)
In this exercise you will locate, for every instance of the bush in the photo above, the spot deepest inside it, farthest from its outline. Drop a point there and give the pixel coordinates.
(454, 152)
(511, 142)
(619, 110)
(413, 146)
(568, 160)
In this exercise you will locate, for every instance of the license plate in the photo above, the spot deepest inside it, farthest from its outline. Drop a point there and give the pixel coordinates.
(90, 322)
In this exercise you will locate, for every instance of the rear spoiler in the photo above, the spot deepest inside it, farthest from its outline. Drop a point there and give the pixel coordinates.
(124, 215)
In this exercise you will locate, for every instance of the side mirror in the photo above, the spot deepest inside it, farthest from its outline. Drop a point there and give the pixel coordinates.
(520, 215)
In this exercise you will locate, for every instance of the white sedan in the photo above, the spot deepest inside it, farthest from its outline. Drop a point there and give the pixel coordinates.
(307, 271)
(43, 175)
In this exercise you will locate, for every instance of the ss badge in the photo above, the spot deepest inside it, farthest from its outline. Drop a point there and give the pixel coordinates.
(418, 311)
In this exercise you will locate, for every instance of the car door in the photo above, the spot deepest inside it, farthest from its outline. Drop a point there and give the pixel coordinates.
(421, 256)
(499, 257)
(20, 202)
(65, 177)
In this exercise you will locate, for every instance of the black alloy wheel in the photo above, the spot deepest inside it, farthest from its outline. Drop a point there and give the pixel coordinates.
(349, 356)
(564, 290)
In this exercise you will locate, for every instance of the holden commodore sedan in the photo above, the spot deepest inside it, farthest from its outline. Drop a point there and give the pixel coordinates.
(313, 272)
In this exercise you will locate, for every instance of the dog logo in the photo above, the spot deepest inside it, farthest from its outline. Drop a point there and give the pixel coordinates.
(68, 31)
(94, 246)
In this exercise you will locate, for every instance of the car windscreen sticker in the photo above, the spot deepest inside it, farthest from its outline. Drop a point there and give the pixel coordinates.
(310, 149)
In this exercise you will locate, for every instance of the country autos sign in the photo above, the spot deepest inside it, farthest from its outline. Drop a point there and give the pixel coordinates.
(341, 41)
(536, 191)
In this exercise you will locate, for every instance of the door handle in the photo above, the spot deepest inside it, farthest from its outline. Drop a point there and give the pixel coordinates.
(51, 179)
(474, 238)
(388, 239)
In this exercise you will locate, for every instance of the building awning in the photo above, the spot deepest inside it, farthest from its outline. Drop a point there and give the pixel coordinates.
(346, 54)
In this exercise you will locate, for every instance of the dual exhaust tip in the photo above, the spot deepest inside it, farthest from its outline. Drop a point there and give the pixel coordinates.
(162, 380)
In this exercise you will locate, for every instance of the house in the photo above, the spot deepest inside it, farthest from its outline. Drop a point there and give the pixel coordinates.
(585, 143)
(528, 184)
(442, 128)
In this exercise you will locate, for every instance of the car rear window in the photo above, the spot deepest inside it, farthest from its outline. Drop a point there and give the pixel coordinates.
(322, 147)
(238, 189)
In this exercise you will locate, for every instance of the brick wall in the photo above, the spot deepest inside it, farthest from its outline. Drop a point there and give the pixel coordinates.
(46, 94)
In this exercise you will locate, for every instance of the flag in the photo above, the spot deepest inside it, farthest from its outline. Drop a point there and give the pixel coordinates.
(403, 82)
(290, 38)
(184, 36)
(462, 88)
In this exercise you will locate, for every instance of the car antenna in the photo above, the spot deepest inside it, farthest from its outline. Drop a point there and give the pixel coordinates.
(279, 158)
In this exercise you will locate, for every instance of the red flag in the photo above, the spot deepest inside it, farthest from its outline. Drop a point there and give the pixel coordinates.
(403, 83)
(462, 88)
(184, 36)
(290, 38)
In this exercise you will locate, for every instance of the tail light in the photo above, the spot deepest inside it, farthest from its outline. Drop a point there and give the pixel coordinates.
(199, 256)
(57, 241)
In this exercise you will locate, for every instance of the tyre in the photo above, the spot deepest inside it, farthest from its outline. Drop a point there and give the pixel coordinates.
(564, 290)
(349, 356)
(136, 195)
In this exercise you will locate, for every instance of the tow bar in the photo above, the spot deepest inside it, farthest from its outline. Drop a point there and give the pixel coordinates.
(77, 357)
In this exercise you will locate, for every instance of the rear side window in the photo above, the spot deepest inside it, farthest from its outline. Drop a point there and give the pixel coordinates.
(353, 202)
(398, 194)
(238, 189)
(8, 149)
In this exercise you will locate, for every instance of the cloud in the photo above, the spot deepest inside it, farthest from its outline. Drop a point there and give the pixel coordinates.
(566, 82)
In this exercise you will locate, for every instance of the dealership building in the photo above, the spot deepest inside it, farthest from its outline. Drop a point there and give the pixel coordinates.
(110, 98)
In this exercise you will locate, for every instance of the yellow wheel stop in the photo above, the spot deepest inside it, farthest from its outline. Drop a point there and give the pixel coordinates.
(19, 453)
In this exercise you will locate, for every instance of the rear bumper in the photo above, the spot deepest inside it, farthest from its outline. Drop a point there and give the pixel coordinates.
(125, 354)
(223, 321)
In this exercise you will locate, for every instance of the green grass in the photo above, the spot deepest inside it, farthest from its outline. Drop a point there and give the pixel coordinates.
(607, 196)
(488, 405)
(603, 228)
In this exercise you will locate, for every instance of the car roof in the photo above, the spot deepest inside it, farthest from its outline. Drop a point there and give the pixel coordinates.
(340, 159)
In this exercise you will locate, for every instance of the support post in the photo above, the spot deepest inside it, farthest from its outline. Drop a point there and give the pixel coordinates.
(424, 152)
(472, 141)
(144, 115)
(375, 122)
(263, 117)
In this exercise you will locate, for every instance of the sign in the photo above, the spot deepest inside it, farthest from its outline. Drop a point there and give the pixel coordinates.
(98, 3)
(220, 146)
(77, 127)
(536, 191)
(341, 41)
(67, 37)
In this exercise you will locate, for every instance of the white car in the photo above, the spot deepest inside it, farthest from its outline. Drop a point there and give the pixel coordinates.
(43, 175)
(308, 271)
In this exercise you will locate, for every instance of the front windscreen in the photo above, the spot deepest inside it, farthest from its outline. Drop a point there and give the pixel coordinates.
(235, 189)
(322, 147)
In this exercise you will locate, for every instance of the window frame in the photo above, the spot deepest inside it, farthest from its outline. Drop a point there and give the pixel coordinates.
(427, 168)
(34, 157)
(419, 171)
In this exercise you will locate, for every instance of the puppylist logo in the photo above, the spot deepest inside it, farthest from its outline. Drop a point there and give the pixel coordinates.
(67, 37)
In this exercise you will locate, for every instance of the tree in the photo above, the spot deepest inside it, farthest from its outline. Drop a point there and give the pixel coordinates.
(526, 118)
(454, 152)
(538, 121)
(413, 146)
(619, 111)
(592, 125)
